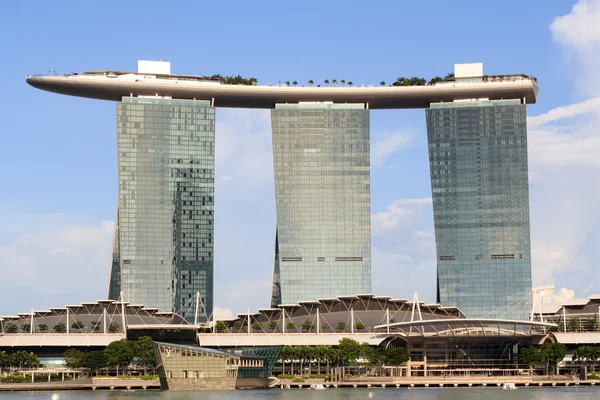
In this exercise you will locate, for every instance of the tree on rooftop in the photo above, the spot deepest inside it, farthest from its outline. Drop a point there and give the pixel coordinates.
(310, 82)
(10, 328)
(435, 80)
(288, 83)
(295, 83)
(221, 326)
(290, 325)
(60, 327)
(77, 325)
(256, 326)
(113, 327)
(343, 81)
(273, 325)
(334, 81)
(382, 83)
(359, 325)
(341, 326)
(326, 81)
(449, 75)
(350, 83)
(42, 327)
(26, 328)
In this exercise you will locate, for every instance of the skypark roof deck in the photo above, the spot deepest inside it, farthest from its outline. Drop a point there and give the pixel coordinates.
(107, 85)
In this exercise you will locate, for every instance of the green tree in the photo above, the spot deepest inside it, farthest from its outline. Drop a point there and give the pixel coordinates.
(221, 326)
(341, 326)
(10, 328)
(307, 325)
(435, 80)
(295, 83)
(74, 358)
(360, 326)
(530, 356)
(60, 328)
(350, 83)
(143, 352)
(4, 360)
(449, 75)
(32, 360)
(96, 326)
(26, 328)
(320, 353)
(382, 83)
(334, 81)
(273, 325)
(95, 360)
(310, 82)
(118, 353)
(290, 325)
(552, 353)
(594, 356)
(349, 351)
(20, 358)
(43, 327)
(343, 81)
(77, 325)
(326, 81)
(284, 355)
(288, 83)
(256, 326)
(396, 356)
(113, 327)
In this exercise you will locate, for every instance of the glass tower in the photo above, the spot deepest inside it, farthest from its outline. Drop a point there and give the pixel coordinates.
(478, 164)
(322, 179)
(163, 254)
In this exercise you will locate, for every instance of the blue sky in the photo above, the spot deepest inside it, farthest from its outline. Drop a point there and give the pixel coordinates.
(58, 154)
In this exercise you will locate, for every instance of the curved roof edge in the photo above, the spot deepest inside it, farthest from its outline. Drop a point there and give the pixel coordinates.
(240, 96)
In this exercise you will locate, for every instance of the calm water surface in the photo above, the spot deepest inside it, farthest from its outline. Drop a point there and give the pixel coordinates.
(331, 394)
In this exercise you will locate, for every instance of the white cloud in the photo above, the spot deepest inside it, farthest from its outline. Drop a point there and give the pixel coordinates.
(563, 295)
(220, 314)
(579, 35)
(383, 148)
(564, 149)
(66, 263)
(559, 113)
(244, 156)
(398, 213)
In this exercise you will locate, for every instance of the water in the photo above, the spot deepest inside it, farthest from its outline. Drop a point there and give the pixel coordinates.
(330, 394)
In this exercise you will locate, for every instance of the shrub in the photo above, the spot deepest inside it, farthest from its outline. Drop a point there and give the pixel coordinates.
(298, 380)
(286, 376)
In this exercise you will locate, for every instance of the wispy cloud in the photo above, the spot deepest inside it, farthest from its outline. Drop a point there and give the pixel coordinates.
(383, 148)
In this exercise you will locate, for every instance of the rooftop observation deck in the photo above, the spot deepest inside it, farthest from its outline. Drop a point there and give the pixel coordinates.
(113, 85)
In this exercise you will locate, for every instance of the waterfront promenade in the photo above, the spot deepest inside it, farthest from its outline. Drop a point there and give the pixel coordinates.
(84, 384)
(448, 382)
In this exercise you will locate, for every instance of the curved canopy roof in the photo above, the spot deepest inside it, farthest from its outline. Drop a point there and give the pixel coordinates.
(101, 86)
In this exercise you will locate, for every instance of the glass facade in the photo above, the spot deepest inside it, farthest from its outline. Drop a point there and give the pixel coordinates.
(164, 250)
(322, 189)
(479, 180)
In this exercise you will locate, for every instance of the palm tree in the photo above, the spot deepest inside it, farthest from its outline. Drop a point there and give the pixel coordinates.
(284, 354)
(4, 358)
(326, 81)
(310, 82)
(343, 81)
(350, 83)
(382, 83)
(334, 81)
(295, 83)
(449, 75)
(288, 83)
